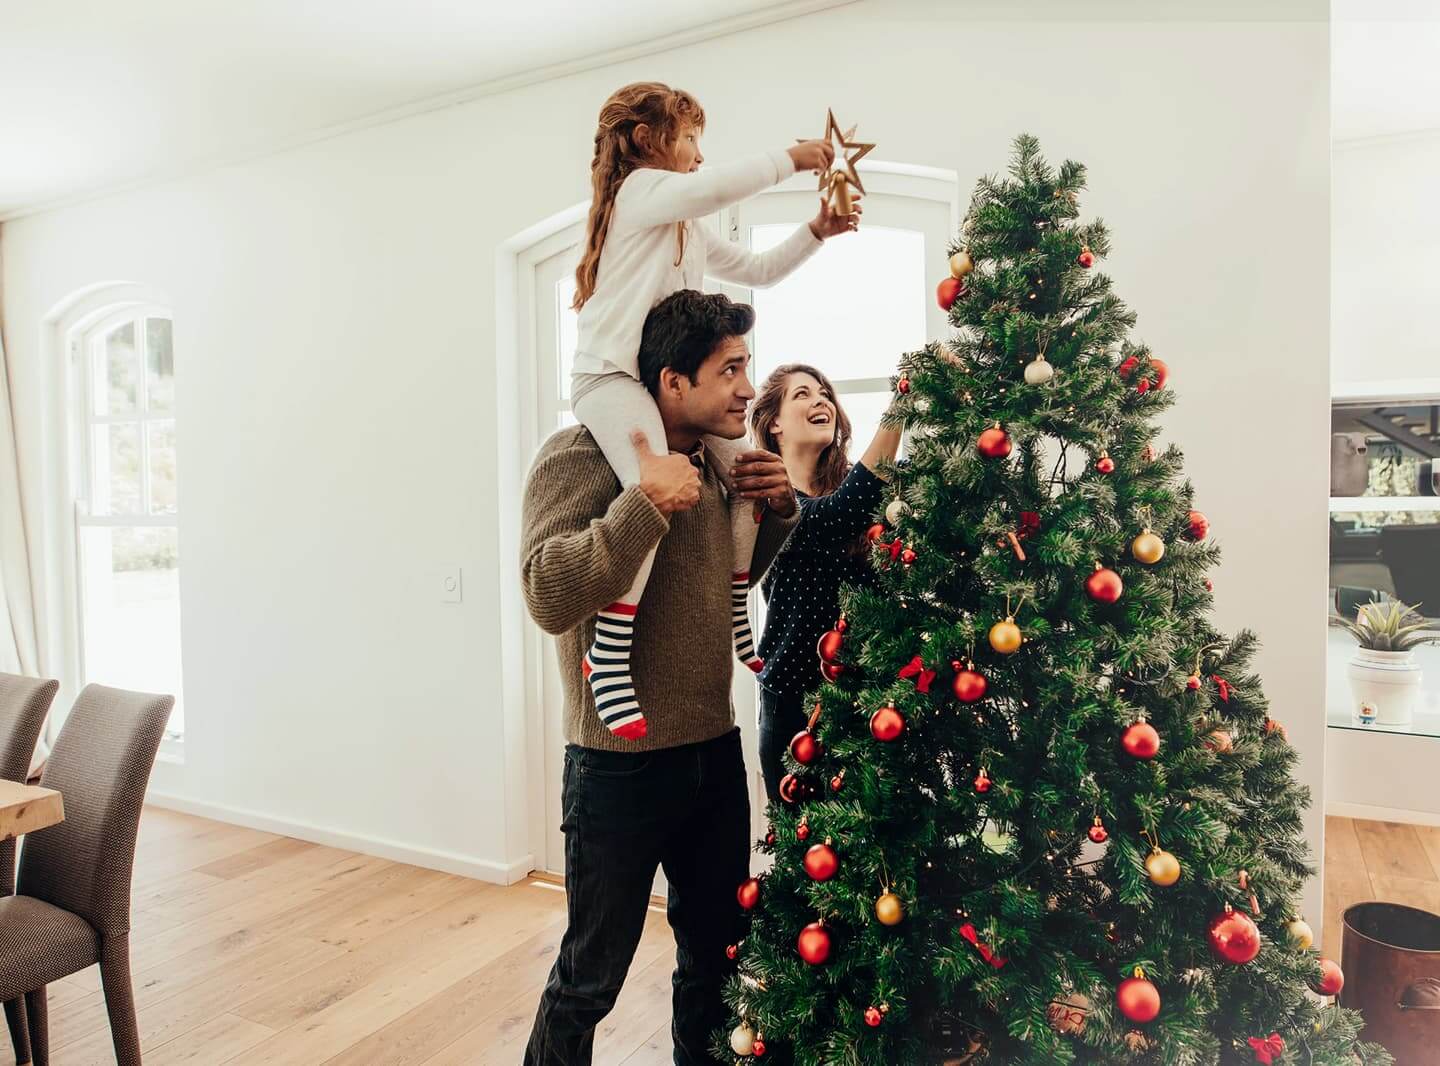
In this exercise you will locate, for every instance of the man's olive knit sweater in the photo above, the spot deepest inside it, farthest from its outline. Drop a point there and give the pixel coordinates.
(581, 546)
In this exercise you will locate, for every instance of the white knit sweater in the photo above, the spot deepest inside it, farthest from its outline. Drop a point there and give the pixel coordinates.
(637, 263)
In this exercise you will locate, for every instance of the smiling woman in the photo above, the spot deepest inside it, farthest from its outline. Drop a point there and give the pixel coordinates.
(799, 416)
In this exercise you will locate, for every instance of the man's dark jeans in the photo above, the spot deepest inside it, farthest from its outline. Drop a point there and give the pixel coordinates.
(685, 810)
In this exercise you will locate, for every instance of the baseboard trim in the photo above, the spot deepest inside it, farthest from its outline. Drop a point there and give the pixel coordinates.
(1381, 814)
(429, 858)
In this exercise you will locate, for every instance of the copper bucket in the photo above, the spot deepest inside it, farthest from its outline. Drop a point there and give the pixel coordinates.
(1391, 959)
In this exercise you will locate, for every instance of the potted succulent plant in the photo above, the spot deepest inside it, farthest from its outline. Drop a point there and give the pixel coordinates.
(1384, 676)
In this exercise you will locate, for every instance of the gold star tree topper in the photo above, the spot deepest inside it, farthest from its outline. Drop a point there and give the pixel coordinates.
(842, 175)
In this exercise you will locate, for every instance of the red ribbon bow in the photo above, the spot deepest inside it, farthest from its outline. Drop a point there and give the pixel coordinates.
(1267, 1048)
(968, 932)
(1029, 523)
(1223, 686)
(916, 669)
(895, 549)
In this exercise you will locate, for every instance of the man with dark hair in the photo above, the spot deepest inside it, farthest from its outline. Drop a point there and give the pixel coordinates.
(677, 798)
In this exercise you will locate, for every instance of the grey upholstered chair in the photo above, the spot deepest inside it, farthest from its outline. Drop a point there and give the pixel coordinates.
(72, 907)
(24, 703)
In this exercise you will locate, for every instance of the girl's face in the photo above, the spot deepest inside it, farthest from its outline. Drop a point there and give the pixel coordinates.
(807, 414)
(686, 155)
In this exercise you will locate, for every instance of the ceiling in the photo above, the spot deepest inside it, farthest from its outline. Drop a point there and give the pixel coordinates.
(96, 95)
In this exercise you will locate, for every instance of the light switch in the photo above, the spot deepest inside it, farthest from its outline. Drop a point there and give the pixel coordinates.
(450, 584)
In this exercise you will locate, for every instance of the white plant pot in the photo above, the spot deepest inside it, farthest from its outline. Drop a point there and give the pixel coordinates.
(1386, 681)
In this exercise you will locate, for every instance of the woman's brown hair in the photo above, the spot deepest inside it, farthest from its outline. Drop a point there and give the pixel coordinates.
(665, 112)
(833, 465)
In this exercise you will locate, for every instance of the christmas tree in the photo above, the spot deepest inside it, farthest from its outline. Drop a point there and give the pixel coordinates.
(1041, 814)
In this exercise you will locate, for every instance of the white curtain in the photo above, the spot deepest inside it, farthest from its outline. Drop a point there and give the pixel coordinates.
(19, 652)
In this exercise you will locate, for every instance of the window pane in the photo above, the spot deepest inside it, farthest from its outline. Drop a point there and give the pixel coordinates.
(162, 466)
(851, 311)
(865, 410)
(566, 331)
(115, 471)
(116, 375)
(131, 609)
(159, 366)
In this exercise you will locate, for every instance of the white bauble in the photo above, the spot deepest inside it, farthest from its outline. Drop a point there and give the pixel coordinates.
(1039, 371)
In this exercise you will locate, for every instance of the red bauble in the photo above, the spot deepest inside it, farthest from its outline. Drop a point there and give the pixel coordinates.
(1192, 682)
(1086, 258)
(802, 832)
(1141, 741)
(821, 862)
(831, 671)
(814, 944)
(982, 782)
(770, 838)
(805, 747)
(757, 1048)
(875, 532)
(948, 291)
(1233, 937)
(994, 443)
(1105, 465)
(887, 723)
(1104, 585)
(908, 557)
(1332, 979)
(789, 788)
(748, 894)
(903, 385)
(1145, 384)
(1138, 1000)
(1199, 526)
(969, 685)
(830, 644)
(873, 1017)
(1097, 832)
(732, 951)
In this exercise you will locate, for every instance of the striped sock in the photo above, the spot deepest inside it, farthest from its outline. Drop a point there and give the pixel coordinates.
(607, 668)
(740, 621)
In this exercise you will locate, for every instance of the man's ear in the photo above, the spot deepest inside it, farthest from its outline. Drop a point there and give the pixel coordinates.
(670, 380)
(641, 136)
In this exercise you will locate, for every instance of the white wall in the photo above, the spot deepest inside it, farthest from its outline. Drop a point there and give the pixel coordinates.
(1386, 241)
(335, 342)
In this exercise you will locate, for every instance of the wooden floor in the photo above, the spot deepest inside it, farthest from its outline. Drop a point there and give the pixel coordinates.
(250, 947)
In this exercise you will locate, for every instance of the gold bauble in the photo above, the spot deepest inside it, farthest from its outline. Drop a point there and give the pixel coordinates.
(889, 910)
(961, 264)
(1005, 637)
(1148, 548)
(1163, 868)
(1300, 934)
(742, 1039)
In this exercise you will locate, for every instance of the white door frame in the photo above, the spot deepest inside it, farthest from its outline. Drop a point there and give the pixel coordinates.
(518, 435)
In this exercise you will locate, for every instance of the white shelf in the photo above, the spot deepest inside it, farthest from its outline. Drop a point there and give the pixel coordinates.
(1350, 504)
